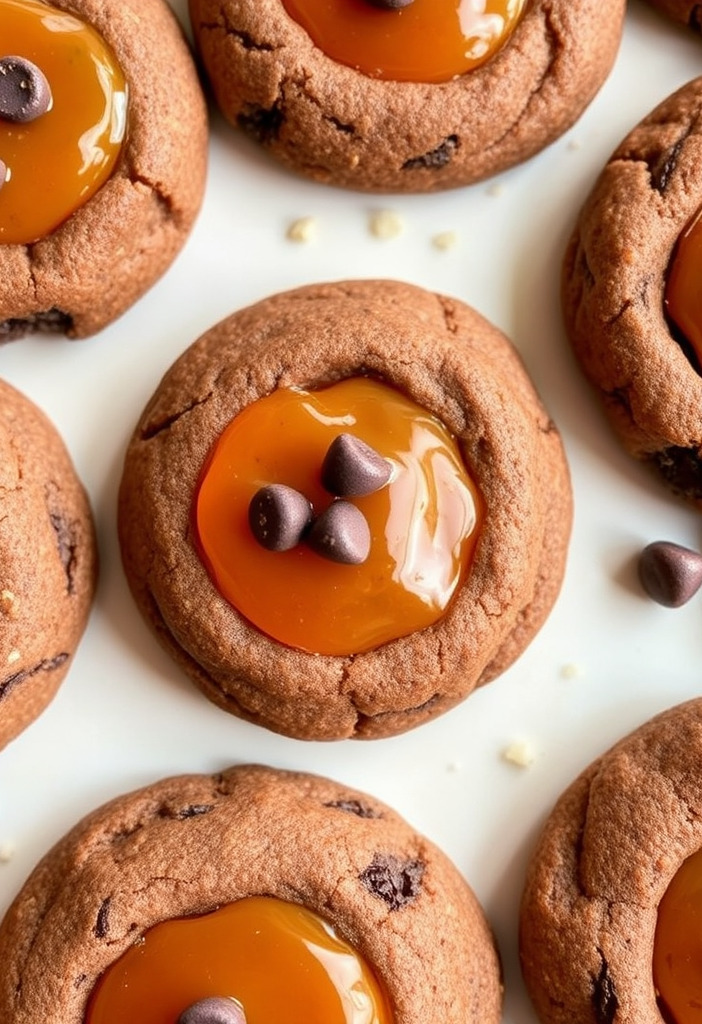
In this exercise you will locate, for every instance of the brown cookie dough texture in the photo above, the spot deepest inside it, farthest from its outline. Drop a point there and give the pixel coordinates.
(47, 562)
(606, 857)
(336, 125)
(452, 362)
(685, 11)
(613, 284)
(96, 264)
(191, 844)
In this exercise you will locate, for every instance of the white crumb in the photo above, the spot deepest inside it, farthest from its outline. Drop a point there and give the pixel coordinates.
(385, 224)
(572, 671)
(575, 144)
(495, 189)
(445, 240)
(13, 656)
(520, 753)
(302, 230)
(7, 852)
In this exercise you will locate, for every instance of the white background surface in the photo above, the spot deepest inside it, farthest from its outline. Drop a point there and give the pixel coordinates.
(125, 716)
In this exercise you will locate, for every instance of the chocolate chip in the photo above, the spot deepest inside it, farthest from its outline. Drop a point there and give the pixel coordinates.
(341, 534)
(395, 881)
(102, 922)
(354, 807)
(670, 573)
(439, 157)
(25, 93)
(351, 468)
(605, 1002)
(278, 516)
(215, 1010)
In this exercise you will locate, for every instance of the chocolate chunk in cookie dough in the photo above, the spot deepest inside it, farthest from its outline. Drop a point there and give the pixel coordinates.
(458, 555)
(47, 562)
(138, 908)
(101, 185)
(630, 290)
(405, 98)
(612, 890)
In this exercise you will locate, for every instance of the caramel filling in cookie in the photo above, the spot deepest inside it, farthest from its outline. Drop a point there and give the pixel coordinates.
(677, 949)
(425, 41)
(55, 159)
(423, 523)
(278, 961)
(683, 298)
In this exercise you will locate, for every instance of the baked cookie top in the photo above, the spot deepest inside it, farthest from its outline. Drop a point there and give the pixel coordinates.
(338, 125)
(459, 369)
(607, 855)
(48, 561)
(614, 290)
(189, 845)
(126, 65)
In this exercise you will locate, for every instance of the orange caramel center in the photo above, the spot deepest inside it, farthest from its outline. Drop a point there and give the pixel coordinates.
(677, 950)
(423, 522)
(55, 163)
(279, 961)
(428, 41)
(683, 296)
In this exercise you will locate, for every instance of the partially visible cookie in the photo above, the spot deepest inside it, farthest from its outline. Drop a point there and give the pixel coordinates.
(126, 103)
(513, 524)
(686, 11)
(328, 120)
(48, 562)
(610, 849)
(614, 281)
(195, 844)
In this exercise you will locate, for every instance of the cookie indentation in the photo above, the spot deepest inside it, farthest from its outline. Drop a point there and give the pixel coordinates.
(8, 684)
(261, 123)
(397, 882)
(354, 807)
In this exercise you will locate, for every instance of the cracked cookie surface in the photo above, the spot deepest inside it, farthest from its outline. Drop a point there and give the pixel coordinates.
(451, 362)
(97, 263)
(336, 125)
(613, 287)
(47, 562)
(188, 845)
(607, 854)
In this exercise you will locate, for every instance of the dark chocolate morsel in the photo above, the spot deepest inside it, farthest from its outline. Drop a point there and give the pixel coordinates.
(351, 468)
(215, 1010)
(278, 516)
(25, 93)
(391, 5)
(341, 534)
(669, 573)
(396, 882)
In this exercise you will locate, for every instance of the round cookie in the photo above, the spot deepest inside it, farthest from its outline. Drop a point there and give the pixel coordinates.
(607, 855)
(454, 364)
(48, 562)
(614, 278)
(686, 11)
(93, 266)
(337, 125)
(189, 845)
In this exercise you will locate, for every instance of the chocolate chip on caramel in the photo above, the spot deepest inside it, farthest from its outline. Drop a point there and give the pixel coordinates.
(351, 468)
(215, 1010)
(25, 93)
(341, 534)
(278, 516)
(669, 573)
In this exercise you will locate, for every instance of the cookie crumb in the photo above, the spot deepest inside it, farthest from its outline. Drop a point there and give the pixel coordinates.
(575, 144)
(13, 656)
(303, 229)
(495, 189)
(572, 671)
(385, 224)
(7, 852)
(445, 240)
(520, 753)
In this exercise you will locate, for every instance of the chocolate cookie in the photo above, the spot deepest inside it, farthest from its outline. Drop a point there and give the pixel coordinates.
(615, 280)
(195, 844)
(47, 562)
(99, 191)
(592, 924)
(440, 126)
(686, 11)
(460, 372)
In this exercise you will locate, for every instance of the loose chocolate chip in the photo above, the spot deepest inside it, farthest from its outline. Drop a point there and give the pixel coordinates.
(670, 573)
(215, 1010)
(391, 5)
(395, 881)
(25, 93)
(351, 468)
(278, 516)
(341, 534)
